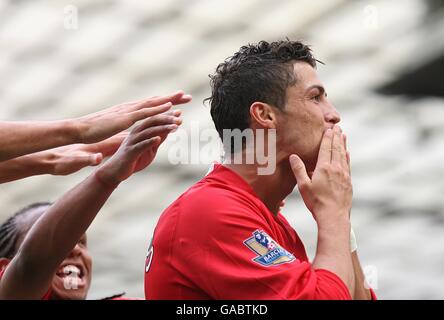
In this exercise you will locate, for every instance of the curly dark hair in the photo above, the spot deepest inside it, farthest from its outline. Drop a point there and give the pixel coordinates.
(12, 228)
(257, 72)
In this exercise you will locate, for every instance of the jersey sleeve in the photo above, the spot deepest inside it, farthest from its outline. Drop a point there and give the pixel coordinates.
(230, 253)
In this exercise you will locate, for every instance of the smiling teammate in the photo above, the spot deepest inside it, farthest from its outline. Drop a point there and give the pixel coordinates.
(43, 248)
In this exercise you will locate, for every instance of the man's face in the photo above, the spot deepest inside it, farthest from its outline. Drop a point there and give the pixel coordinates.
(73, 278)
(307, 114)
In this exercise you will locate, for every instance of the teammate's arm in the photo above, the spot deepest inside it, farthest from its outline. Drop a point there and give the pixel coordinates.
(57, 231)
(25, 137)
(60, 161)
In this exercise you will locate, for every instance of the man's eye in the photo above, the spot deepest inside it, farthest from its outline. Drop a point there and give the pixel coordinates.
(317, 98)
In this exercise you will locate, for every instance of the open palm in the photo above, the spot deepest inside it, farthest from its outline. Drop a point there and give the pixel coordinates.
(139, 149)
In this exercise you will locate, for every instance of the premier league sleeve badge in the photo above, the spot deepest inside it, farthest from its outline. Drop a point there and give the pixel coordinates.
(269, 252)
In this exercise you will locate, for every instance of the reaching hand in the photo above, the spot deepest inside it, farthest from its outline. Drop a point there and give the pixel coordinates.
(139, 148)
(69, 159)
(106, 123)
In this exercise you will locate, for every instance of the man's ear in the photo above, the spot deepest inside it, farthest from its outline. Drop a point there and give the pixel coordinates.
(263, 115)
(3, 263)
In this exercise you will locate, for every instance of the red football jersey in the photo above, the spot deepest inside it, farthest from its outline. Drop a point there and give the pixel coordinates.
(219, 241)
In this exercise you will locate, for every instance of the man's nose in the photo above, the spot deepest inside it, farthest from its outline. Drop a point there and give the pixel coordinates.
(331, 114)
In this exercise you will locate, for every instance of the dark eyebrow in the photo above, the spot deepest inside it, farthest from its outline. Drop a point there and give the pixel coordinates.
(316, 86)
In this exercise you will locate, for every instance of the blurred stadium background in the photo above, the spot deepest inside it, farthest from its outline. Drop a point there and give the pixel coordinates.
(384, 61)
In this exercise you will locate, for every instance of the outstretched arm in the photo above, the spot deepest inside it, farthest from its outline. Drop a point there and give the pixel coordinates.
(57, 231)
(60, 161)
(25, 137)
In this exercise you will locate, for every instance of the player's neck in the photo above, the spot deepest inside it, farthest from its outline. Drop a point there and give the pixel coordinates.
(271, 189)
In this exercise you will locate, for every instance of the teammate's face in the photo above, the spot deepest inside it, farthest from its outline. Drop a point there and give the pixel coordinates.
(73, 278)
(308, 113)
